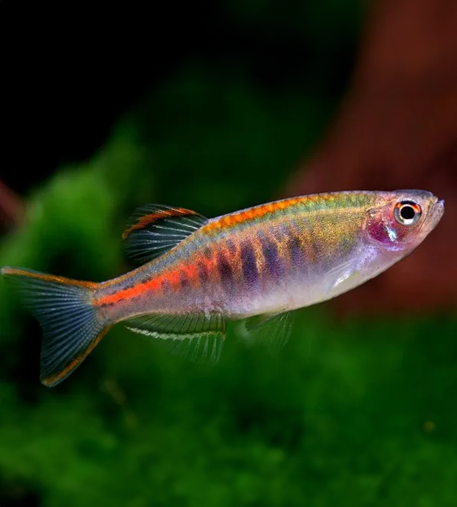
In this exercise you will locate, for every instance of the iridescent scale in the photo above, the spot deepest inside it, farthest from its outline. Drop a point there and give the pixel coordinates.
(266, 259)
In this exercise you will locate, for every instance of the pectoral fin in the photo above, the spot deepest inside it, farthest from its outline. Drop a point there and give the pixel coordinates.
(340, 276)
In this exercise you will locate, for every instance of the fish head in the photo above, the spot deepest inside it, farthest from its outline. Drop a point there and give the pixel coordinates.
(399, 221)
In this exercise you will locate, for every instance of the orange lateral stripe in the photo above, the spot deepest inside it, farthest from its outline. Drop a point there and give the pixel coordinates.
(153, 217)
(191, 271)
(48, 278)
(172, 276)
(132, 292)
(251, 214)
(52, 379)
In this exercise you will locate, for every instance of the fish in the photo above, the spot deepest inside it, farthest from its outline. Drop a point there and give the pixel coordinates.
(255, 266)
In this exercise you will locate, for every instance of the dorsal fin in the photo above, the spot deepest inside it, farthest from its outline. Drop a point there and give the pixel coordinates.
(154, 229)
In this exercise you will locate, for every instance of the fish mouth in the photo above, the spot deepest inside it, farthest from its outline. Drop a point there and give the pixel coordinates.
(439, 205)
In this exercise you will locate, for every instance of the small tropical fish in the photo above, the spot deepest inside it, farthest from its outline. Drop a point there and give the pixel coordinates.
(257, 264)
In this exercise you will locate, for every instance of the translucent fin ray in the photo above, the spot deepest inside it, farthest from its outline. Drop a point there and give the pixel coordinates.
(271, 330)
(341, 275)
(198, 338)
(154, 229)
(63, 307)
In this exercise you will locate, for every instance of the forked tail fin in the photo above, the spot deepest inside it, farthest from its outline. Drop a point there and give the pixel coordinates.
(71, 325)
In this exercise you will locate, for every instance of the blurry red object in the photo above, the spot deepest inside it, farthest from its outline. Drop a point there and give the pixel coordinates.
(11, 208)
(397, 128)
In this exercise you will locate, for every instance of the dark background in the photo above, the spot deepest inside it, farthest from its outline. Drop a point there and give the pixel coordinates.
(211, 107)
(68, 73)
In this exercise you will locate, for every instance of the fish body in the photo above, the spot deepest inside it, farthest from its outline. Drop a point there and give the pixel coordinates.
(270, 258)
(198, 273)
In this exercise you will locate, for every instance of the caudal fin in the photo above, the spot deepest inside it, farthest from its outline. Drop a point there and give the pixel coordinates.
(64, 309)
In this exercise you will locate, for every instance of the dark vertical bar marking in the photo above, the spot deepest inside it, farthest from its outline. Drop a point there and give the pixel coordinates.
(248, 263)
(273, 263)
(318, 253)
(166, 287)
(225, 270)
(295, 251)
(231, 247)
(208, 253)
(184, 280)
(203, 274)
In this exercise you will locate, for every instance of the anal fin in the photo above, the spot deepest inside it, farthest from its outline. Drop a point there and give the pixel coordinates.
(198, 338)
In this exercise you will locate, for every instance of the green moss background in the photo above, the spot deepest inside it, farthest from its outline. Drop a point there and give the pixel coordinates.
(351, 413)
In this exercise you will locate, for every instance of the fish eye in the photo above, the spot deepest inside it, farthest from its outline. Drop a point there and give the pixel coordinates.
(407, 212)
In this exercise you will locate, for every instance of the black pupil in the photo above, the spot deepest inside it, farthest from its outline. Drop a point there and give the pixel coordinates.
(407, 212)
